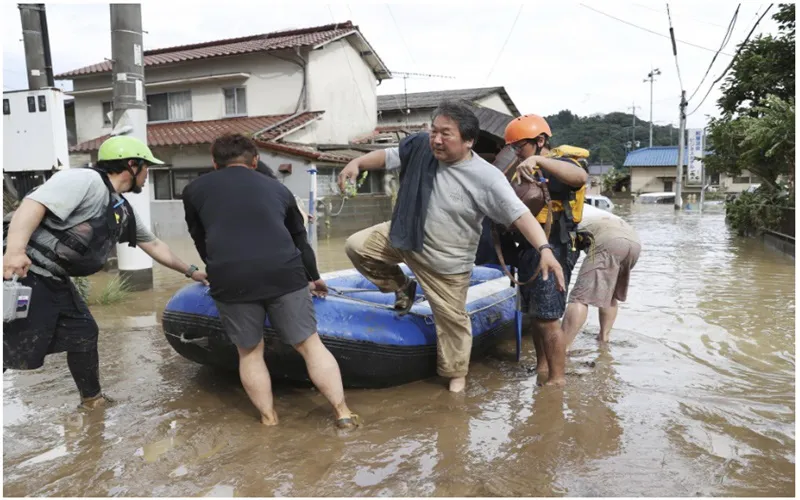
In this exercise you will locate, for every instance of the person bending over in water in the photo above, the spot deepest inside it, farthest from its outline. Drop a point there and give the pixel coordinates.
(249, 232)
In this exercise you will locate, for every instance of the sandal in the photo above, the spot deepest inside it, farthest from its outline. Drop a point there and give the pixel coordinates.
(351, 422)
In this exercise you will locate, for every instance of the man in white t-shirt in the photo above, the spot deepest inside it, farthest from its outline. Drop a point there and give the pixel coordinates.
(461, 189)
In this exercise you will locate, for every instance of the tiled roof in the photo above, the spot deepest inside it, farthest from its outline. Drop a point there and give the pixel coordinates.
(204, 132)
(236, 46)
(340, 157)
(657, 156)
(492, 122)
(429, 100)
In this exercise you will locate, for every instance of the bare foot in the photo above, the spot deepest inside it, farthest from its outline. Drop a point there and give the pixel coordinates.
(458, 384)
(602, 338)
(270, 420)
(542, 370)
(99, 401)
(556, 382)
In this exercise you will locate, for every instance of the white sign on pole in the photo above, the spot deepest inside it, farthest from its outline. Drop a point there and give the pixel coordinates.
(694, 157)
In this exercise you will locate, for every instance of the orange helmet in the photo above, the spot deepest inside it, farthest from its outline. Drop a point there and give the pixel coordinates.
(526, 127)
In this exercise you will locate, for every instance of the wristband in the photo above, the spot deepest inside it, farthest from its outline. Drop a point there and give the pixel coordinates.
(546, 245)
(191, 271)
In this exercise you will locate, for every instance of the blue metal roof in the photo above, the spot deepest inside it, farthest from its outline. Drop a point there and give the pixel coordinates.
(657, 156)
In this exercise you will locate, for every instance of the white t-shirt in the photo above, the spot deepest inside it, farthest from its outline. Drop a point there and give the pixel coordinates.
(463, 194)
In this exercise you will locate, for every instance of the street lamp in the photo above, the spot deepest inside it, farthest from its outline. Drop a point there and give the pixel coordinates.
(651, 78)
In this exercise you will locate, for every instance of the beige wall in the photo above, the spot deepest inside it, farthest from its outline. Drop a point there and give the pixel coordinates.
(341, 84)
(495, 102)
(647, 179)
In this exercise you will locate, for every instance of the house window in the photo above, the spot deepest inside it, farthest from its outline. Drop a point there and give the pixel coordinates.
(182, 178)
(715, 179)
(169, 107)
(741, 180)
(235, 101)
(6, 107)
(107, 109)
(162, 184)
(42, 103)
(667, 186)
(31, 104)
(169, 183)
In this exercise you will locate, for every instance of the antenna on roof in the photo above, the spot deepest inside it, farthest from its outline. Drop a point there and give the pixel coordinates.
(406, 76)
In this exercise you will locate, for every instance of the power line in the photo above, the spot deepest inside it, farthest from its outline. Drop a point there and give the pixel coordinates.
(674, 48)
(696, 19)
(738, 51)
(651, 31)
(400, 32)
(725, 40)
(504, 43)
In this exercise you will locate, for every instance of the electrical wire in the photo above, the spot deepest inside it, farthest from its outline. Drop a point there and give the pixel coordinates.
(725, 40)
(651, 31)
(735, 56)
(497, 59)
(674, 48)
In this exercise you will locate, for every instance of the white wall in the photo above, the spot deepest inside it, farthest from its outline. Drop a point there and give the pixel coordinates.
(342, 84)
(495, 102)
(273, 88)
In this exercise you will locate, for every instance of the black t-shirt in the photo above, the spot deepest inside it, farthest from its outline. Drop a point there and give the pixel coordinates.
(245, 225)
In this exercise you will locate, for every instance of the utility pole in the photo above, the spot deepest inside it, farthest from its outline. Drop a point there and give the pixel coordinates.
(37, 46)
(651, 78)
(633, 111)
(130, 118)
(681, 152)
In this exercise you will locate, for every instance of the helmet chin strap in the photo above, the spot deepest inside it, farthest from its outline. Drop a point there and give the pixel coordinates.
(135, 187)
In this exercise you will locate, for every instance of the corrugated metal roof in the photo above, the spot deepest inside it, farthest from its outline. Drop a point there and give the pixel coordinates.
(429, 100)
(657, 156)
(204, 132)
(279, 40)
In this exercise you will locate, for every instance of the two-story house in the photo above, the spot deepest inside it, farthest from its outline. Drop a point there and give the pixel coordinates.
(291, 91)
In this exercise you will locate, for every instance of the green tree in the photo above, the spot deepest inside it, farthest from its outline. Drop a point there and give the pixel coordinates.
(756, 129)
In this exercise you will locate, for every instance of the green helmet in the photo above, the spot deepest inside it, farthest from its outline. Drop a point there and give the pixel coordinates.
(124, 147)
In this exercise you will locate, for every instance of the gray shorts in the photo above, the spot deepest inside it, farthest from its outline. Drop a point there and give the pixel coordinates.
(291, 315)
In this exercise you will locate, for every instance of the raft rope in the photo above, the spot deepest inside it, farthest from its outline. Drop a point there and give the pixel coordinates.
(200, 341)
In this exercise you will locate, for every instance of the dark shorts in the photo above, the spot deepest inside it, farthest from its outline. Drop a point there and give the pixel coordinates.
(291, 315)
(58, 321)
(541, 299)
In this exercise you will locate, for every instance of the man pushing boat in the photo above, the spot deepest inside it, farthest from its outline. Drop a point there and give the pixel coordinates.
(445, 192)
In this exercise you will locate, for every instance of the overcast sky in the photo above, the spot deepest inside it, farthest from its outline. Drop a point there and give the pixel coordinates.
(557, 56)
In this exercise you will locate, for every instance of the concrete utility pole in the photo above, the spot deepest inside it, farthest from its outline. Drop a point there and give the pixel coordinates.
(681, 152)
(633, 109)
(130, 118)
(651, 78)
(37, 45)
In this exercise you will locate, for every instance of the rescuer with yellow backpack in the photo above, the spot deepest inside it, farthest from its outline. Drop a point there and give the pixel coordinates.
(563, 172)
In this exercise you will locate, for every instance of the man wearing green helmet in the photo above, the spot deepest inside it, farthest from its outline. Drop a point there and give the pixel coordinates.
(68, 227)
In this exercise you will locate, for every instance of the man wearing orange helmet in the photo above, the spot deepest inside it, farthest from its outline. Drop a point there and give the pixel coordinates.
(529, 136)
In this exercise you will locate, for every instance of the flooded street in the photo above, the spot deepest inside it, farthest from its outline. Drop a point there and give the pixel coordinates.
(694, 395)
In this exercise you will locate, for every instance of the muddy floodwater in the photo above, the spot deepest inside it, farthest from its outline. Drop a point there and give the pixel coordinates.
(694, 395)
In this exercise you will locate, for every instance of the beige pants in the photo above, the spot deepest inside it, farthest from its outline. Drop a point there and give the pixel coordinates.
(372, 254)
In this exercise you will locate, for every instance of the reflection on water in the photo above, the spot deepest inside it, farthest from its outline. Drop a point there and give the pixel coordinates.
(694, 395)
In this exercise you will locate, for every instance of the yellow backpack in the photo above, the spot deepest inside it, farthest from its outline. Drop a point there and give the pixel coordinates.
(578, 156)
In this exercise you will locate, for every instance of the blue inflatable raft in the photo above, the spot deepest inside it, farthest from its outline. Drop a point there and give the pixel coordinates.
(372, 344)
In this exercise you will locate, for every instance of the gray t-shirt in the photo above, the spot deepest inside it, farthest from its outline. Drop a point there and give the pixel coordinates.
(74, 196)
(463, 194)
